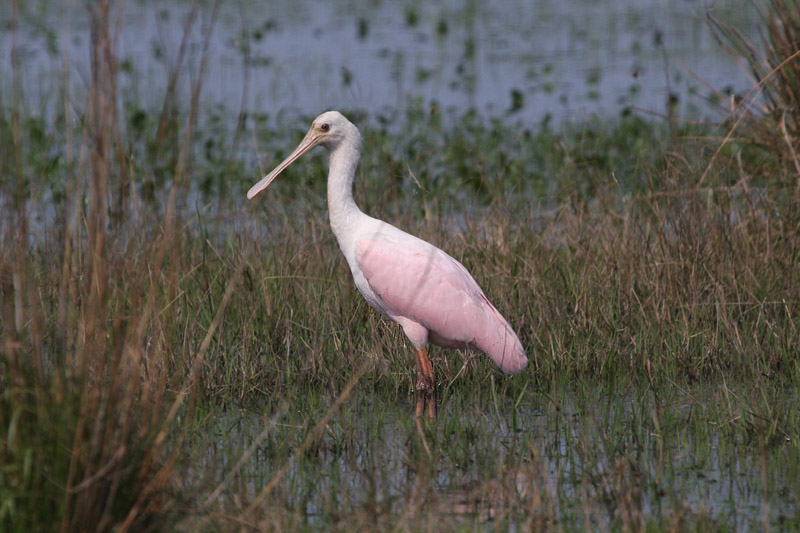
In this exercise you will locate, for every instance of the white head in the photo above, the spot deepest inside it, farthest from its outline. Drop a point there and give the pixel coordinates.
(330, 130)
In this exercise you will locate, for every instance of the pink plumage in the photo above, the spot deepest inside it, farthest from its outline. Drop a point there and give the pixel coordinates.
(435, 299)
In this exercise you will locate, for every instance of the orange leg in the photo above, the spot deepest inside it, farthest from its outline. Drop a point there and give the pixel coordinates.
(426, 385)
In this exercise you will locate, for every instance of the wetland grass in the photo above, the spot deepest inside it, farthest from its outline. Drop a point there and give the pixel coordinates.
(166, 366)
(769, 115)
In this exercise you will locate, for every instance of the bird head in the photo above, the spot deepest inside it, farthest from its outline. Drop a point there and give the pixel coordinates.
(330, 130)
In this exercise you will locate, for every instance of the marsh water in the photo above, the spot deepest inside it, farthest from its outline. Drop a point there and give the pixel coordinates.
(600, 459)
(523, 61)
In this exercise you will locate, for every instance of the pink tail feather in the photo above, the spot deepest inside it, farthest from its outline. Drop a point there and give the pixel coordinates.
(500, 343)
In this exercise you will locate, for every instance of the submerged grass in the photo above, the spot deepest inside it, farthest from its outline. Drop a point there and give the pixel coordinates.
(597, 457)
(142, 306)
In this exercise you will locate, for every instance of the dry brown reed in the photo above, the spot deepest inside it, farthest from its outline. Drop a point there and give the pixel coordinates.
(769, 115)
(85, 332)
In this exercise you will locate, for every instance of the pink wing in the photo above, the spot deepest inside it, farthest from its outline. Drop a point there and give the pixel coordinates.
(416, 281)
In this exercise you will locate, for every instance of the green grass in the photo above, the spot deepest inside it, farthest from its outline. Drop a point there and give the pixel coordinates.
(173, 357)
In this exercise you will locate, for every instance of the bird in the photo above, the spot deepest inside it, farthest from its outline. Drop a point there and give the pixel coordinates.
(427, 292)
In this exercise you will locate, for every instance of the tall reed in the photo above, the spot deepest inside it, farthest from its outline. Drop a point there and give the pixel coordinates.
(92, 431)
(769, 115)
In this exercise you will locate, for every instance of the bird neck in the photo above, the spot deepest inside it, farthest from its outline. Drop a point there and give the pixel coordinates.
(343, 162)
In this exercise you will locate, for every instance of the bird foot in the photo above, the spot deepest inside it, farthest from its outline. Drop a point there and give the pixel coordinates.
(426, 397)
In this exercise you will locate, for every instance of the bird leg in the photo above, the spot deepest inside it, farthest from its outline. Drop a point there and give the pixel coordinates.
(426, 384)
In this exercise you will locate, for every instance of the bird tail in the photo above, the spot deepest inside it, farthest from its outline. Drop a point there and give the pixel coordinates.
(501, 344)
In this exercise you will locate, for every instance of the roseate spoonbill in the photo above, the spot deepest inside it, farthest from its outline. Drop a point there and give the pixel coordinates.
(427, 292)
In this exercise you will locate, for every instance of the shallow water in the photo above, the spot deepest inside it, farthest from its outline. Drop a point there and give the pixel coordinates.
(559, 60)
(630, 457)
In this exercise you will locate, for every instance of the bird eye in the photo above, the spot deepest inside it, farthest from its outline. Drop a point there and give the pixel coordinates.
(325, 127)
